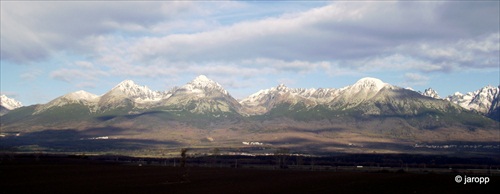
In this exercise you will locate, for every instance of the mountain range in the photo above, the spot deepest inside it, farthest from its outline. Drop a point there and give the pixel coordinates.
(484, 101)
(371, 114)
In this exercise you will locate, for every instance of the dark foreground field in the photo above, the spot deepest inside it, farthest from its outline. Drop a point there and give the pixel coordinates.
(83, 176)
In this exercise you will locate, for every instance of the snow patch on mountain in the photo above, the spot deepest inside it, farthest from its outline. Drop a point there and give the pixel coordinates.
(9, 103)
(410, 88)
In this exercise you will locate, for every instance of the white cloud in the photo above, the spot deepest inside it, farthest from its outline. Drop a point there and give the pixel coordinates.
(32, 31)
(347, 33)
(84, 64)
(31, 74)
(415, 79)
(83, 73)
(86, 85)
(463, 54)
(287, 81)
(488, 43)
(157, 39)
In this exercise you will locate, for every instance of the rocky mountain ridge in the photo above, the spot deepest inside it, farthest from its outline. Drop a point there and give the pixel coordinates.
(483, 101)
(203, 95)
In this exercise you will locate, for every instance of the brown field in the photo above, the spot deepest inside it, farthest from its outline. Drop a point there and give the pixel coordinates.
(84, 176)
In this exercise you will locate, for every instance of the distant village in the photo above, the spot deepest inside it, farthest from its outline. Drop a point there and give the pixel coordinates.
(450, 146)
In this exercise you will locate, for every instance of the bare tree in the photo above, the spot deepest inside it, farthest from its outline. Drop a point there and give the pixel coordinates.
(215, 153)
(183, 156)
(185, 175)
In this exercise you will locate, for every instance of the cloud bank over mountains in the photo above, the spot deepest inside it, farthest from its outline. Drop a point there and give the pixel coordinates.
(91, 41)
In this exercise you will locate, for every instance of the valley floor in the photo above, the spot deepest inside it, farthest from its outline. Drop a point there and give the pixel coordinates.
(76, 175)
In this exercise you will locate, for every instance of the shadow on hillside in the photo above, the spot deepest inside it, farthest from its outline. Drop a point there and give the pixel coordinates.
(93, 139)
(305, 144)
(317, 131)
(132, 116)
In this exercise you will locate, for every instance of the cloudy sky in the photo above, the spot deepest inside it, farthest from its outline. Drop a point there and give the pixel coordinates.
(49, 49)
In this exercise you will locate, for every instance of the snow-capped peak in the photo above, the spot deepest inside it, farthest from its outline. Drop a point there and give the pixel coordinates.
(9, 103)
(126, 84)
(137, 92)
(81, 95)
(202, 83)
(368, 83)
(202, 79)
(78, 97)
(429, 92)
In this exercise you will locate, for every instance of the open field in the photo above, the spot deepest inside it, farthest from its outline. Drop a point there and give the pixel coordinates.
(77, 175)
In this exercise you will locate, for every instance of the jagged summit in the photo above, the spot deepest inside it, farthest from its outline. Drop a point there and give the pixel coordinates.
(265, 100)
(480, 100)
(126, 83)
(281, 87)
(136, 92)
(429, 92)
